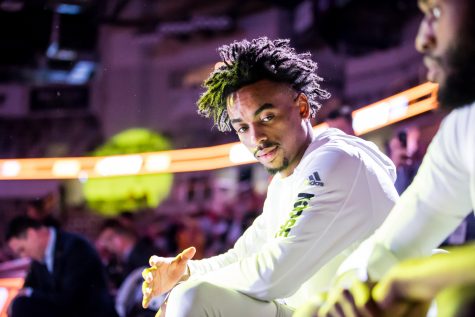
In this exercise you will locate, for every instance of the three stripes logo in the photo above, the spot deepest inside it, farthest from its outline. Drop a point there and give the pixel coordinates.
(315, 180)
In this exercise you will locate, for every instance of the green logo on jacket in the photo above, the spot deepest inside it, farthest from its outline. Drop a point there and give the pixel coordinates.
(300, 205)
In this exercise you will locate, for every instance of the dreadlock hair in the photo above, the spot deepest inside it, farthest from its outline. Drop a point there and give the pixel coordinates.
(246, 62)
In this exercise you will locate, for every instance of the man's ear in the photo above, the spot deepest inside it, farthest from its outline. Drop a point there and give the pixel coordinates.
(303, 105)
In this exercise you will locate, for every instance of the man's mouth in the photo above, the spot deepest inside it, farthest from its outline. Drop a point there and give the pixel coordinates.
(266, 154)
(433, 68)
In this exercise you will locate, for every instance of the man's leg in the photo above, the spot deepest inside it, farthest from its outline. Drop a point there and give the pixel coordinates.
(198, 298)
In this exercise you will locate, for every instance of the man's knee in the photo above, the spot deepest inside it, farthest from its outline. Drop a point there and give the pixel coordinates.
(195, 292)
(192, 296)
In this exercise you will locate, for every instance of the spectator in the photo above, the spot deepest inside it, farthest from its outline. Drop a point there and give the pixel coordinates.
(120, 241)
(341, 119)
(406, 165)
(66, 276)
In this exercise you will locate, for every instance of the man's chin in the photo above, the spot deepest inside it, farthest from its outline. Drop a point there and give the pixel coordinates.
(276, 168)
(451, 96)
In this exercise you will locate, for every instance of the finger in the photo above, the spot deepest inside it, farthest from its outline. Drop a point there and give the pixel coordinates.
(147, 274)
(348, 305)
(337, 311)
(154, 260)
(186, 254)
(328, 309)
(361, 299)
(361, 293)
(147, 292)
(384, 295)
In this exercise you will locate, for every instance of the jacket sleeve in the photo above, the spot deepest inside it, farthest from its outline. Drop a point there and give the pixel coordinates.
(326, 218)
(431, 208)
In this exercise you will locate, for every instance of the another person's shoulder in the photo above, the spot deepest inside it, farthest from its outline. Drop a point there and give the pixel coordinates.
(460, 120)
(457, 132)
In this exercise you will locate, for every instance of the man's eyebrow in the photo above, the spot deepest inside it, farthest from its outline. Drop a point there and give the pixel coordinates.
(257, 112)
(423, 4)
(236, 120)
(263, 107)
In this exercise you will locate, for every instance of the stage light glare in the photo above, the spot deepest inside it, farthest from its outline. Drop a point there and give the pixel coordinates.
(157, 162)
(11, 168)
(239, 154)
(66, 168)
(119, 165)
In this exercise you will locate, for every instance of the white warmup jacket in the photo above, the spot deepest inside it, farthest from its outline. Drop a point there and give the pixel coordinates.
(440, 197)
(340, 192)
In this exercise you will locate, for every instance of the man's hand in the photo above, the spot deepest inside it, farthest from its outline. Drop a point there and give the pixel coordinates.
(164, 274)
(404, 291)
(351, 301)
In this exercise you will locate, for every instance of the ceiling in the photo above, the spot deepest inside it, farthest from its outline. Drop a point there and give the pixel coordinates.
(28, 27)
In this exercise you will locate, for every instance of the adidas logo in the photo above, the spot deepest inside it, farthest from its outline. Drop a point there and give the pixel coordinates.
(315, 180)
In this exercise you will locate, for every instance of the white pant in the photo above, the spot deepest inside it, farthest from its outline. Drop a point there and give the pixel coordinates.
(199, 298)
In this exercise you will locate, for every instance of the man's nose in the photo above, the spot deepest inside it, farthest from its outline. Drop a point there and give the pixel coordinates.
(257, 135)
(425, 39)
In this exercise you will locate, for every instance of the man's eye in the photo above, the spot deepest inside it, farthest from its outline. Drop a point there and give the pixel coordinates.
(435, 12)
(267, 118)
(241, 130)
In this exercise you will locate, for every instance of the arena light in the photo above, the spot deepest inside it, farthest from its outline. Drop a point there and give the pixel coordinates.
(394, 109)
(119, 165)
(11, 168)
(240, 154)
(407, 104)
(155, 163)
(66, 168)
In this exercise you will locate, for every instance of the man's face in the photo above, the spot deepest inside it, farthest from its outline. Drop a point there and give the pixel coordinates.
(447, 41)
(271, 120)
(28, 245)
(110, 241)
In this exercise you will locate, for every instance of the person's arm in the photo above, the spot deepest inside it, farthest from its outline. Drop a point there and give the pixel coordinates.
(326, 219)
(164, 273)
(430, 209)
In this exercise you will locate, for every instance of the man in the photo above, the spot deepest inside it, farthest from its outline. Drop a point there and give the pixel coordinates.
(342, 119)
(443, 191)
(328, 193)
(122, 242)
(405, 161)
(66, 277)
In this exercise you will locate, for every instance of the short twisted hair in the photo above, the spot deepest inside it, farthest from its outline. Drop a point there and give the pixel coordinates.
(246, 62)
